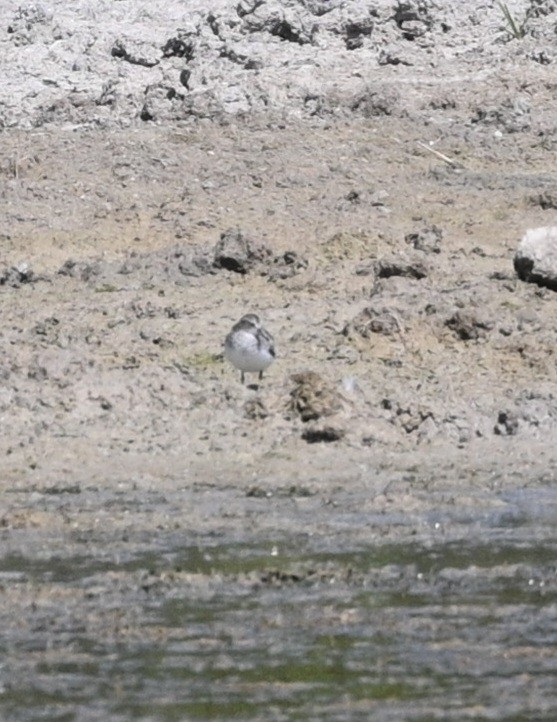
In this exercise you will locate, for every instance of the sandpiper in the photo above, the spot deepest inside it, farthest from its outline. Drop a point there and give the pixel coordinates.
(249, 347)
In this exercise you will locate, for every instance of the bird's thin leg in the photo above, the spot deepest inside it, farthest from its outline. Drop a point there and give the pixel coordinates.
(261, 375)
(242, 379)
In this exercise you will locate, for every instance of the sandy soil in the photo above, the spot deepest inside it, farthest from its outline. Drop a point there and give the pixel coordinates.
(401, 296)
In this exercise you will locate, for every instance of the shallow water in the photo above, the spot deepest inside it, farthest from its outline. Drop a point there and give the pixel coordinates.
(460, 623)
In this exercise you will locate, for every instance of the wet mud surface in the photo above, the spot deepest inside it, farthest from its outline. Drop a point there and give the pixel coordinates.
(412, 600)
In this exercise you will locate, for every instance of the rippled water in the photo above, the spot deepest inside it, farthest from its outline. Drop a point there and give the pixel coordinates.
(458, 626)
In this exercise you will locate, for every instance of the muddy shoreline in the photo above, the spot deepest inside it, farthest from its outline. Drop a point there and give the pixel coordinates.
(156, 509)
(369, 530)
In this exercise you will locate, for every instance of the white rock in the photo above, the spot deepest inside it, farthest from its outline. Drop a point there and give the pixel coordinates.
(536, 258)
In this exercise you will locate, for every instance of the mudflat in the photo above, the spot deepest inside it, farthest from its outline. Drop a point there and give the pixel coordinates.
(360, 179)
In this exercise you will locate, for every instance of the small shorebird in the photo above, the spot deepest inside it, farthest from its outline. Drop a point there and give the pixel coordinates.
(249, 347)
